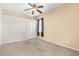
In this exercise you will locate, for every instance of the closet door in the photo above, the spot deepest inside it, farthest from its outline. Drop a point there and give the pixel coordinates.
(28, 30)
(0, 27)
(31, 30)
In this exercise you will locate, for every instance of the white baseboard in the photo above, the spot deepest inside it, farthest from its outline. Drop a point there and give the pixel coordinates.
(15, 41)
(64, 46)
(12, 41)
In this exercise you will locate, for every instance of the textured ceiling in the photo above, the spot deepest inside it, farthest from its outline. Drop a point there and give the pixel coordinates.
(19, 7)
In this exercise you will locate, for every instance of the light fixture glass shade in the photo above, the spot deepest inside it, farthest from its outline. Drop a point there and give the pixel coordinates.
(34, 9)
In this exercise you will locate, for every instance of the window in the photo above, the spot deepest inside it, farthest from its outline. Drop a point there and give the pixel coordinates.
(40, 27)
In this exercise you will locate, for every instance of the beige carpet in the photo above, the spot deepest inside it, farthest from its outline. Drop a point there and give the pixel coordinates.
(35, 47)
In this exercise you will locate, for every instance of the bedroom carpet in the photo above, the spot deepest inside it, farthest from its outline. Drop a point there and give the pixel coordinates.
(35, 47)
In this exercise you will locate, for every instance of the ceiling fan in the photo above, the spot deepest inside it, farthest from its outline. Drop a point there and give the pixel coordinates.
(34, 8)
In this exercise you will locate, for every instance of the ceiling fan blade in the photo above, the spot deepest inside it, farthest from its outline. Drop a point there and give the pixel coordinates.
(32, 12)
(30, 4)
(39, 11)
(28, 9)
(40, 7)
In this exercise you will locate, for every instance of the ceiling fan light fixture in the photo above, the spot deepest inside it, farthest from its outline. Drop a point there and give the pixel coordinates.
(34, 9)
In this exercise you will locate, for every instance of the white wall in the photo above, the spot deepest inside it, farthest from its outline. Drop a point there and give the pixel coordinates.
(16, 29)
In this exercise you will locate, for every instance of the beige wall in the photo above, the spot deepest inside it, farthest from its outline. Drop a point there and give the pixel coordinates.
(62, 25)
